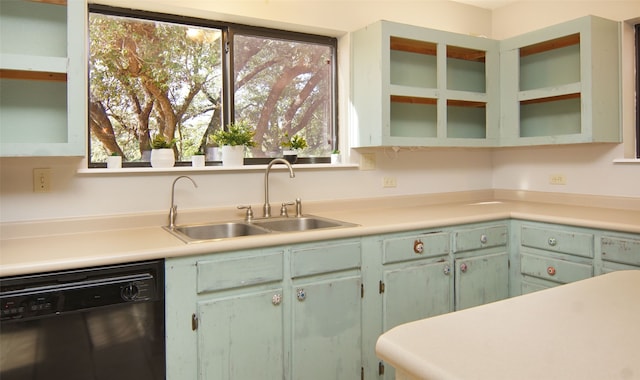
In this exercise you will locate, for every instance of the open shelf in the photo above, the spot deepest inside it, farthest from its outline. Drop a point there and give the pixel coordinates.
(562, 116)
(33, 75)
(550, 64)
(466, 120)
(413, 63)
(413, 117)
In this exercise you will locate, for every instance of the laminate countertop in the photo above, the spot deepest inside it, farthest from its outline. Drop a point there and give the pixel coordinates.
(586, 330)
(40, 246)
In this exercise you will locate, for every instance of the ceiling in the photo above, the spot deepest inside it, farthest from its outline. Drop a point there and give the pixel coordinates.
(487, 4)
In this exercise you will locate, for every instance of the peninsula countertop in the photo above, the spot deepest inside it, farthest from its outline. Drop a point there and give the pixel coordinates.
(583, 330)
(33, 247)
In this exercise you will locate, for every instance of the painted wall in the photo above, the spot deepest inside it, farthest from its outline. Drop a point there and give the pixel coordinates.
(416, 171)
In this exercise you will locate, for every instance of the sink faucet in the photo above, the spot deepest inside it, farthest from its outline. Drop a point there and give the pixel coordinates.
(174, 209)
(266, 208)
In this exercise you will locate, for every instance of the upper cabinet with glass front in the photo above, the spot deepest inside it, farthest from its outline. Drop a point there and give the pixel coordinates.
(414, 86)
(43, 80)
(561, 84)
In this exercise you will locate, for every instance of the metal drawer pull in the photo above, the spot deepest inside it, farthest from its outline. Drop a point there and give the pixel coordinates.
(418, 247)
(463, 267)
(276, 299)
(553, 241)
(551, 271)
(484, 239)
(301, 294)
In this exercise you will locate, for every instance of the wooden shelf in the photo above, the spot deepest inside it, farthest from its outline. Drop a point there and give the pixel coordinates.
(412, 46)
(412, 100)
(32, 75)
(465, 54)
(553, 44)
(55, 2)
(550, 99)
(465, 103)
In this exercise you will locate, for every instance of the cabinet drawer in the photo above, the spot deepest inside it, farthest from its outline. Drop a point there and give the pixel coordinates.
(554, 269)
(550, 239)
(621, 250)
(325, 259)
(483, 237)
(233, 273)
(415, 247)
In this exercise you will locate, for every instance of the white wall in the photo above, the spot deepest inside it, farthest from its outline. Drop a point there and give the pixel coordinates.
(419, 171)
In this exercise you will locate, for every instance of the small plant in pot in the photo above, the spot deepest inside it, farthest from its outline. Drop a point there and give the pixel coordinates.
(292, 147)
(198, 159)
(233, 141)
(114, 161)
(162, 155)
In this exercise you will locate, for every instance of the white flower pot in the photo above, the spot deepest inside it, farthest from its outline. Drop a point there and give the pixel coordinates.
(335, 158)
(114, 162)
(233, 155)
(197, 161)
(162, 158)
(290, 155)
(213, 153)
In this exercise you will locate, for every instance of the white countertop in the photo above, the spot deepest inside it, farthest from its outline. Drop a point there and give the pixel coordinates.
(56, 245)
(581, 331)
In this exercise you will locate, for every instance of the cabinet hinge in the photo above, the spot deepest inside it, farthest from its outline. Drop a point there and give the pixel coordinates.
(361, 373)
(361, 290)
(380, 368)
(381, 287)
(194, 322)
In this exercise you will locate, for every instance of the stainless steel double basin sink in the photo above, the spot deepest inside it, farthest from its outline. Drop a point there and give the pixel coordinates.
(224, 230)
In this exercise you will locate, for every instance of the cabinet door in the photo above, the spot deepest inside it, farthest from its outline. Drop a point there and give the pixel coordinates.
(241, 337)
(481, 279)
(327, 333)
(416, 292)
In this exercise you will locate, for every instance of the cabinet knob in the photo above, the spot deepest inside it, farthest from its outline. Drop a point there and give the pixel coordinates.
(553, 241)
(301, 294)
(463, 267)
(446, 270)
(551, 271)
(484, 239)
(418, 246)
(276, 299)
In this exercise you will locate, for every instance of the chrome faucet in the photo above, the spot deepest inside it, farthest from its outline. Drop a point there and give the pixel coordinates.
(174, 209)
(266, 208)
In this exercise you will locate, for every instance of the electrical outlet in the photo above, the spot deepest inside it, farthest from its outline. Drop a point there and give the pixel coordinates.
(389, 182)
(41, 180)
(367, 161)
(557, 179)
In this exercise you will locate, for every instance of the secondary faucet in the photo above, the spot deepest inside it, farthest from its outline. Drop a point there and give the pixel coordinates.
(266, 208)
(173, 211)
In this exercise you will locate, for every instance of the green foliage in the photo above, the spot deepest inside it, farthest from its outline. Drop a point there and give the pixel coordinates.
(239, 133)
(295, 142)
(160, 142)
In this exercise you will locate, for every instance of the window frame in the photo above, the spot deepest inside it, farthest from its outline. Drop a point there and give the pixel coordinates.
(637, 89)
(228, 30)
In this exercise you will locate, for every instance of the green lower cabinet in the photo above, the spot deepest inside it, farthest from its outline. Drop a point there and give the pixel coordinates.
(326, 331)
(241, 337)
(481, 279)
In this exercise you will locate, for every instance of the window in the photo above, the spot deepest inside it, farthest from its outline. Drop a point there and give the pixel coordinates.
(153, 74)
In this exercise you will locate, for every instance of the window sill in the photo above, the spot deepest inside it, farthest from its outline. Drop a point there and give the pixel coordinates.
(207, 169)
(627, 161)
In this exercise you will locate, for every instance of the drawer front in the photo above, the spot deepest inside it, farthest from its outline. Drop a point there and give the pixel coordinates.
(554, 269)
(621, 250)
(483, 237)
(555, 240)
(325, 259)
(245, 271)
(415, 247)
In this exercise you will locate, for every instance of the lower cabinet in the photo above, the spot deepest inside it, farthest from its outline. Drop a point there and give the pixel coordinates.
(286, 313)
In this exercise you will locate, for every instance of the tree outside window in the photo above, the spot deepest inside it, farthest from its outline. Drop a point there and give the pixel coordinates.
(153, 77)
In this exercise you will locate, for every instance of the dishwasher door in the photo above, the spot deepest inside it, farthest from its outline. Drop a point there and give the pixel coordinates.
(97, 323)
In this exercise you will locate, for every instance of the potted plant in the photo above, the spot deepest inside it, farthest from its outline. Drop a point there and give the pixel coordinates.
(198, 159)
(114, 161)
(335, 157)
(292, 147)
(233, 141)
(162, 155)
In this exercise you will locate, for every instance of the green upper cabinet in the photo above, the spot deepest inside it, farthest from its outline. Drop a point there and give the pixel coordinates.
(414, 86)
(561, 84)
(43, 78)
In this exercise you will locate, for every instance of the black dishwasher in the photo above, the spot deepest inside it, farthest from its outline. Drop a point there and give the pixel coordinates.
(93, 323)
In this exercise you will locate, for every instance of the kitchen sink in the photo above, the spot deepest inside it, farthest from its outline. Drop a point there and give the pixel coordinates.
(224, 230)
(206, 232)
(304, 223)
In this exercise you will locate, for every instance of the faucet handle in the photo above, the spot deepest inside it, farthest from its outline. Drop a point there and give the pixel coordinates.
(249, 214)
(298, 208)
(283, 209)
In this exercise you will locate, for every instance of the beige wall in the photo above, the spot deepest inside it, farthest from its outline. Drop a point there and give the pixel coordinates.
(588, 169)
